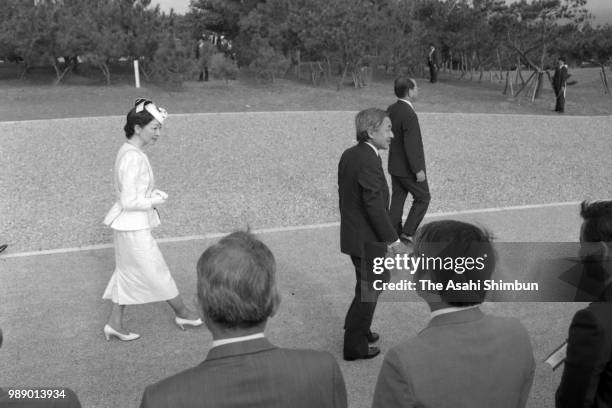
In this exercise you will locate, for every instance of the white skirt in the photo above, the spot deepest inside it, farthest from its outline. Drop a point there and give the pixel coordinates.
(141, 274)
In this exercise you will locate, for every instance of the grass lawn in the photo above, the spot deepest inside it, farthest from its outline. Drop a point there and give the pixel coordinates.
(36, 98)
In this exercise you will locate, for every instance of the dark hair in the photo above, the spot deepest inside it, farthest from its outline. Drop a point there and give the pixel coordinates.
(368, 120)
(597, 216)
(402, 85)
(438, 241)
(237, 281)
(134, 118)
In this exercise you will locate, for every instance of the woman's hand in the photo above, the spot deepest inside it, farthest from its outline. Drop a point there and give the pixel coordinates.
(158, 197)
(160, 193)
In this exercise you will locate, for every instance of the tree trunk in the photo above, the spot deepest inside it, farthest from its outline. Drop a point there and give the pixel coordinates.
(105, 71)
(342, 77)
(60, 73)
(501, 72)
(143, 71)
(604, 79)
(524, 85)
(505, 92)
(539, 83)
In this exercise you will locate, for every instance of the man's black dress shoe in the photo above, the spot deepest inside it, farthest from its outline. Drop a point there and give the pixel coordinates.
(373, 337)
(372, 352)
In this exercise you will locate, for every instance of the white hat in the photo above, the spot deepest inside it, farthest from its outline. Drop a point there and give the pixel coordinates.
(158, 113)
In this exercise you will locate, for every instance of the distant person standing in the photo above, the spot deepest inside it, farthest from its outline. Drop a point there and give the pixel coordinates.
(407, 161)
(204, 52)
(559, 83)
(432, 61)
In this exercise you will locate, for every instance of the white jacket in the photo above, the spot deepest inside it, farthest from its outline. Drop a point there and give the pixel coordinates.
(134, 183)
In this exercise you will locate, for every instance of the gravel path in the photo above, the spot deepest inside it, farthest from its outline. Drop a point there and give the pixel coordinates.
(226, 170)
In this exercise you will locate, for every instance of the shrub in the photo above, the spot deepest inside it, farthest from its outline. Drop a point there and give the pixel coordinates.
(171, 63)
(222, 67)
(269, 63)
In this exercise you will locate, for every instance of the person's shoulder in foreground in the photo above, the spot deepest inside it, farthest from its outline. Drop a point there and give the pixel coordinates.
(587, 373)
(463, 357)
(254, 375)
(237, 293)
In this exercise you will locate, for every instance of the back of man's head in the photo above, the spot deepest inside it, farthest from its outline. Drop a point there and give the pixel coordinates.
(237, 282)
(459, 252)
(597, 224)
(402, 85)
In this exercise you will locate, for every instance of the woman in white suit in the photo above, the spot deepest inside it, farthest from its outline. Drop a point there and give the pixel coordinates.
(141, 274)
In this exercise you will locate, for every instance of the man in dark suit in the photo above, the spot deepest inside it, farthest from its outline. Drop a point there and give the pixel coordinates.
(407, 161)
(366, 230)
(237, 294)
(587, 374)
(559, 84)
(464, 357)
(432, 62)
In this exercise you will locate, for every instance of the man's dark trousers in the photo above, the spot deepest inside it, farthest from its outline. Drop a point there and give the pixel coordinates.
(359, 316)
(400, 187)
(433, 73)
(559, 82)
(560, 105)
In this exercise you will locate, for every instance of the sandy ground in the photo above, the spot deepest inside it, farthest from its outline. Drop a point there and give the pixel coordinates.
(224, 171)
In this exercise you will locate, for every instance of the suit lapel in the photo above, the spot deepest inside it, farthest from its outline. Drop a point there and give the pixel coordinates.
(380, 171)
(240, 348)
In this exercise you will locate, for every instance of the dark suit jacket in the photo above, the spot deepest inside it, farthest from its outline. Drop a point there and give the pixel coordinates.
(406, 156)
(464, 359)
(560, 78)
(253, 373)
(364, 200)
(587, 375)
(433, 58)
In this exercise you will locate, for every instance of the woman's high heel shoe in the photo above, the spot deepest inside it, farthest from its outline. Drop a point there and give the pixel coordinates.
(109, 331)
(186, 322)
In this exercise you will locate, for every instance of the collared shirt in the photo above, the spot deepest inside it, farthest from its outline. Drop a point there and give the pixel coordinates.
(221, 342)
(372, 146)
(408, 102)
(450, 310)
